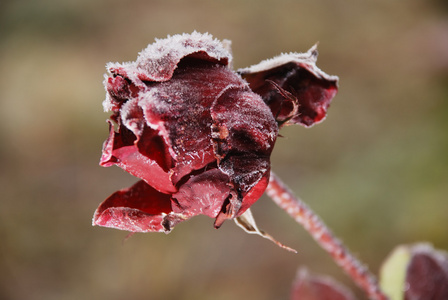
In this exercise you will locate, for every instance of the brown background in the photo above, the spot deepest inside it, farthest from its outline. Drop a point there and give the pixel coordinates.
(375, 170)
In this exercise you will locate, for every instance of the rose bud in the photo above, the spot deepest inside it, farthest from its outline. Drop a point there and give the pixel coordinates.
(317, 287)
(416, 271)
(198, 134)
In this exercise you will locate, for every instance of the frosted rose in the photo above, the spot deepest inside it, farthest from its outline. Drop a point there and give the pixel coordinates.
(198, 134)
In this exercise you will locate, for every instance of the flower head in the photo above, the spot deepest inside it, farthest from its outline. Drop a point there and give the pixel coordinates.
(198, 134)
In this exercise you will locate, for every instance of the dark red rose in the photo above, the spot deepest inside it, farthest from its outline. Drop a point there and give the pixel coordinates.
(426, 273)
(198, 134)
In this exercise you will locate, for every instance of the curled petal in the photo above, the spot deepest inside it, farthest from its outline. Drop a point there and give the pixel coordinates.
(119, 149)
(139, 208)
(180, 111)
(290, 80)
(245, 171)
(159, 60)
(116, 140)
(249, 178)
(244, 133)
(119, 90)
(255, 193)
(242, 123)
(153, 146)
(131, 116)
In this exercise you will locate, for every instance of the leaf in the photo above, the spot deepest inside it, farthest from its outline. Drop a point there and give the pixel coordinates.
(247, 222)
(393, 273)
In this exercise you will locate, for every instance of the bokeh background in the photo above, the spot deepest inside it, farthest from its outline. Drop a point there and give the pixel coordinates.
(376, 170)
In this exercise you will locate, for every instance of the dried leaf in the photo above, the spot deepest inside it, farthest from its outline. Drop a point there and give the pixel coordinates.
(247, 222)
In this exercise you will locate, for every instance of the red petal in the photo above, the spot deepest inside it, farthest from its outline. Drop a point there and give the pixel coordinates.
(135, 163)
(152, 145)
(115, 140)
(139, 208)
(203, 194)
(244, 123)
(255, 193)
(119, 90)
(244, 136)
(298, 75)
(159, 60)
(180, 110)
(120, 151)
(131, 116)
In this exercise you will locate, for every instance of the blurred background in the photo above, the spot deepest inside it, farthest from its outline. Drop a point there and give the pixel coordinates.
(376, 170)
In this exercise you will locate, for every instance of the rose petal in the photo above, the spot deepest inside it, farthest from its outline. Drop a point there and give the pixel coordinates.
(119, 149)
(180, 111)
(159, 60)
(139, 208)
(254, 193)
(243, 123)
(244, 133)
(119, 90)
(152, 145)
(115, 140)
(131, 116)
(204, 193)
(135, 163)
(245, 171)
(297, 74)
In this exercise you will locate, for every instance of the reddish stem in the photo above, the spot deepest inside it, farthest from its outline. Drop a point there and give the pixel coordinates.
(303, 215)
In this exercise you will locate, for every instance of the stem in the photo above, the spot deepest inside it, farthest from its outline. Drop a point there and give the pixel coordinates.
(303, 215)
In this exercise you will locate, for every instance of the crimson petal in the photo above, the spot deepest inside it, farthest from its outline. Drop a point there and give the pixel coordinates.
(244, 136)
(159, 60)
(119, 149)
(180, 111)
(255, 193)
(204, 193)
(292, 80)
(139, 208)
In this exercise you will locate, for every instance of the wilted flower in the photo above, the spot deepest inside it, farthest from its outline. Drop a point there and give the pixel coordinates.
(198, 134)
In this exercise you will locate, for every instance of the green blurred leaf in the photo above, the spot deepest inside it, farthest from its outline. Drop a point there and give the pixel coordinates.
(393, 272)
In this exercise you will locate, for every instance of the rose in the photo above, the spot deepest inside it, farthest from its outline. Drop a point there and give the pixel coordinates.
(197, 134)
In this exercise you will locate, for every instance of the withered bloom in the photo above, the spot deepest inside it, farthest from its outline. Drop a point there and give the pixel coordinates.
(198, 134)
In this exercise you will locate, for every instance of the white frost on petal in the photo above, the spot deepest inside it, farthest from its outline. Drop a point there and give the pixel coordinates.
(130, 117)
(159, 60)
(107, 103)
(306, 60)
